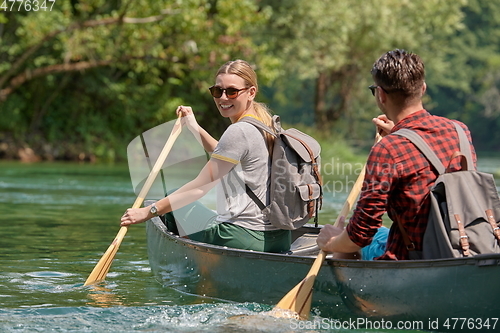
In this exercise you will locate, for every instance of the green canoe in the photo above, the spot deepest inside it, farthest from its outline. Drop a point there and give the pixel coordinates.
(438, 295)
(239, 275)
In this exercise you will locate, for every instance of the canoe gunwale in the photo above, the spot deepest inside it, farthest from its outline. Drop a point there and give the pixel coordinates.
(482, 260)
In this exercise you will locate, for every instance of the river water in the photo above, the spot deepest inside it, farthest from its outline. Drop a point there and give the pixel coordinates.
(56, 221)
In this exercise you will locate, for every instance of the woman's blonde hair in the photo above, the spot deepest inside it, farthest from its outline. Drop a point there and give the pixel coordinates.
(245, 71)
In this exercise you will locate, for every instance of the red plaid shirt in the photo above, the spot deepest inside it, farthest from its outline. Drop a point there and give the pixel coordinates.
(398, 181)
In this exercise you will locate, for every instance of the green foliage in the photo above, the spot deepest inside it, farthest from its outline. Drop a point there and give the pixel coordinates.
(96, 73)
(332, 45)
(82, 80)
(468, 87)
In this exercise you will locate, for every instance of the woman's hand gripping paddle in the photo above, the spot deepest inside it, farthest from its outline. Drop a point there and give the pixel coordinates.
(101, 269)
(298, 300)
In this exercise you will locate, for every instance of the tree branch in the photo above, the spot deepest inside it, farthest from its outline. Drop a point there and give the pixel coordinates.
(75, 26)
(38, 72)
(120, 19)
(28, 74)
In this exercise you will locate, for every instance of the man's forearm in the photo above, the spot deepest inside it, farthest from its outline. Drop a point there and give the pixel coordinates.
(342, 243)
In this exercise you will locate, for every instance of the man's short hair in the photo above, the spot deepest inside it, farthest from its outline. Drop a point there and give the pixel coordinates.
(400, 72)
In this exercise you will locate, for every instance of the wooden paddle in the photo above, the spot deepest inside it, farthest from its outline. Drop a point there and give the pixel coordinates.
(101, 269)
(298, 300)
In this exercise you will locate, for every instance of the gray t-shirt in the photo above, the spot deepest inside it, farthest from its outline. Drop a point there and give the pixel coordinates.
(243, 145)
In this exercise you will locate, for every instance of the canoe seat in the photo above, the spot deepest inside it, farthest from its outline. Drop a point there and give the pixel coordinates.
(305, 245)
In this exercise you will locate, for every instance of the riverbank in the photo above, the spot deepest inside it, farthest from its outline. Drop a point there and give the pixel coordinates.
(40, 150)
(335, 153)
(36, 149)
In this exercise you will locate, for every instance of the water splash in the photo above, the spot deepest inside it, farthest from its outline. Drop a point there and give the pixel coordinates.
(213, 318)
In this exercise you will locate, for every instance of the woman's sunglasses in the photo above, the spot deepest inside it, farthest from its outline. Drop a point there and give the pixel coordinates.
(230, 92)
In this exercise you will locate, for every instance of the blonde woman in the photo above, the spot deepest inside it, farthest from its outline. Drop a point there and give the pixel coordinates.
(241, 156)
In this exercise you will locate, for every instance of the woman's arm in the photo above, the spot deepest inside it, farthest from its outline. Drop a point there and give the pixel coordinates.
(208, 142)
(334, 239)
(188, 119)
(192, 191)
(208, 177)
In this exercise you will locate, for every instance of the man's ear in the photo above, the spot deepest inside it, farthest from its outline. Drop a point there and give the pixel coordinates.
(424, 88)
(382, 96)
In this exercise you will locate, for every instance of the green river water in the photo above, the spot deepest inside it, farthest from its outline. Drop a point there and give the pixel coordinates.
(56, 221)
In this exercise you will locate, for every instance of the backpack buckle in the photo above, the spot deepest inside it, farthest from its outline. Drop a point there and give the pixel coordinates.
(410, 247)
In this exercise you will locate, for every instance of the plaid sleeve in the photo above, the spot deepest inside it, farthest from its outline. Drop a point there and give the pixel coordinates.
(371, 206)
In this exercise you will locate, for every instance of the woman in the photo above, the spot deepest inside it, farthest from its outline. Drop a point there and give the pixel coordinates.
(240, 157)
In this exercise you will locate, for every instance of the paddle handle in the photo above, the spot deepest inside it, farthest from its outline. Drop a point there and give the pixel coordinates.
(101, 269)
(351, 198)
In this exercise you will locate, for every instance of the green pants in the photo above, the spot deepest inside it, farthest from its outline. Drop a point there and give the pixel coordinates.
(226, 234)
(231, 235)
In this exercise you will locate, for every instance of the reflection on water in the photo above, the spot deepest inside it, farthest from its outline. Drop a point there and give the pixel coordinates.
(103, 297)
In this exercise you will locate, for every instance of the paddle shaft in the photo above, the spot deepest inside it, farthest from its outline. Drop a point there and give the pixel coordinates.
(101, 269)
(299, 298)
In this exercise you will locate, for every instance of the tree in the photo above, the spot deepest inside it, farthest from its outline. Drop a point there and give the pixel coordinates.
(335, 43)
(86, 77)
(467, 83)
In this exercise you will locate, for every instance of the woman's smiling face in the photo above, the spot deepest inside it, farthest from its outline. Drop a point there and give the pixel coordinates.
(234, 108)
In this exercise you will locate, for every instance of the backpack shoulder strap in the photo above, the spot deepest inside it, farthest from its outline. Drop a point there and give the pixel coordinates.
(417, 140)
(250, 193)
(260, 125)
(464, 145)
(254, 197)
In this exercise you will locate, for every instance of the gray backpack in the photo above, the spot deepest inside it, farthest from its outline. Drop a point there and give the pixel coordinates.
(465, 207)
(295, 188)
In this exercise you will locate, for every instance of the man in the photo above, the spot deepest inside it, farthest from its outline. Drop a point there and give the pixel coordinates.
(398, 176)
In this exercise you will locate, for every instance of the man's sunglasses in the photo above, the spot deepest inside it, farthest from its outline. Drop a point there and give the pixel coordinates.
(373, 88)
(230, 92)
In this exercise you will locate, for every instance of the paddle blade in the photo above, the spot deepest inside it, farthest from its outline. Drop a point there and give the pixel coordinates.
(299, 299)
(101, 269)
